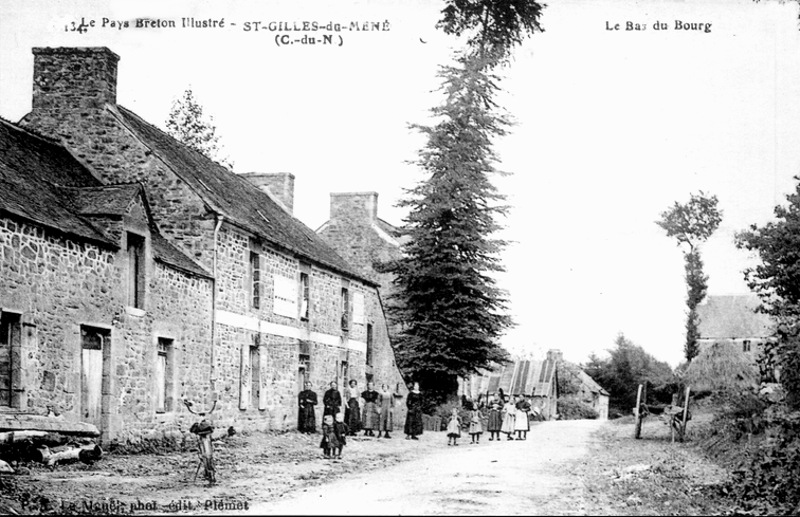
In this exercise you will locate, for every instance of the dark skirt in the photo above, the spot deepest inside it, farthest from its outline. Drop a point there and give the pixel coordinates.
(307, 420)
(413, 425)
(329, 439)
(371, 416)
(352, 415)
(495, 421)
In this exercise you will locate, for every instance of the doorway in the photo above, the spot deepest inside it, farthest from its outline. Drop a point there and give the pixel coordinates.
(95, 350)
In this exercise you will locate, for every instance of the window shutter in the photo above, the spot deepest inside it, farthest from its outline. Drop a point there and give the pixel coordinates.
(262, 392)
(245, 378)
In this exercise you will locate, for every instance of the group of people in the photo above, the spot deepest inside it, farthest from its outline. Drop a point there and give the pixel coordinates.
(346, 416)
(508, 416)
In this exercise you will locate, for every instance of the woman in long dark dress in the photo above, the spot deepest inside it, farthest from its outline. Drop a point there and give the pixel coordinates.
(332, 400)
(306, 419)
(495, 417)
(372, 406)
(352, 413)
(413, 426)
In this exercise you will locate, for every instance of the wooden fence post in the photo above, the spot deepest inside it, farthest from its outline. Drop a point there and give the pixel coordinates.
(637, 431)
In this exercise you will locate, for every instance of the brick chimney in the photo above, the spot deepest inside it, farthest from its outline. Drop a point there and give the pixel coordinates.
(279, 184)
(74, 78)
(354, 206)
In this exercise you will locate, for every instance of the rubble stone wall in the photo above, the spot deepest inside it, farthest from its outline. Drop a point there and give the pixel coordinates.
(58, 284)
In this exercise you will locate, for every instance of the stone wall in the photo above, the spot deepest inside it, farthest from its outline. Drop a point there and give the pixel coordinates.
(354, 231)
(300, 337)
(80, 111)
(57, 284)
(98, 138)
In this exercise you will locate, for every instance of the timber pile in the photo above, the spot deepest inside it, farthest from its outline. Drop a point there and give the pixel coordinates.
(45, 439)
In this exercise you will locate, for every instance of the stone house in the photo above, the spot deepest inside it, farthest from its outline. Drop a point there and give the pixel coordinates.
(101, 318)
(356, 232)
(732, 321)
(285, 307)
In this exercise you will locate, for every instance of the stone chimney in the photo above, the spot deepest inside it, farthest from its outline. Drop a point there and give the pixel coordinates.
(354, 206)
(74, 78)
(279, 184)
(555, 354)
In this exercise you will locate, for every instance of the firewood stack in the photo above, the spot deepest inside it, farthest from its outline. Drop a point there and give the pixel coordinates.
(49, 440)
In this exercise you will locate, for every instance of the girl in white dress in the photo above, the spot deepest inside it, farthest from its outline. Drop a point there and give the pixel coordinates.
(454, 427)
(522, 424)
(509, 418)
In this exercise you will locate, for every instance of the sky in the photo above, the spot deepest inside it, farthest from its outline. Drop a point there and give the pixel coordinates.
(612, 127)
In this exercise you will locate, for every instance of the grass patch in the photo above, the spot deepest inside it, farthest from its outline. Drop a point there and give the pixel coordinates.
(650, 476)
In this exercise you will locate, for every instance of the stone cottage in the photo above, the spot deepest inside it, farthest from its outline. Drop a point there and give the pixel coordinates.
(732, 321)
(101, 318)
(284, 306)
(583, 389)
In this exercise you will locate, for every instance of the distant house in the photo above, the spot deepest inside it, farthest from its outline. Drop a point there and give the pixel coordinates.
(589, 392)
(732, 321)
(532, 378)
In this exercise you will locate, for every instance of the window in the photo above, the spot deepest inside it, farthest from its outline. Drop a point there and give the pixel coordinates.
(345, 309)
(255, 279)
(369, 344)
(164, 367)
(135, 271)
(745, 346)
(304, 295)
(343, 371)
(10, 338)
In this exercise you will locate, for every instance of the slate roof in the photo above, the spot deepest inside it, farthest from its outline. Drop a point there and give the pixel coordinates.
(31, 171)
(591, 383)
(534, 378)
(42, 182)
(169, 254)
(236, 198)
(731, 317)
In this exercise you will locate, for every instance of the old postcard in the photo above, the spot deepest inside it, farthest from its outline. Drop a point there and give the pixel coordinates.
(205, 206)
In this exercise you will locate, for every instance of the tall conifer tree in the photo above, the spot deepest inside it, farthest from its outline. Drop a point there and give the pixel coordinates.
(450, 310)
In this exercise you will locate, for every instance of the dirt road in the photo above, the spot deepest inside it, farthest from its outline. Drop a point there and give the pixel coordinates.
(492, 478)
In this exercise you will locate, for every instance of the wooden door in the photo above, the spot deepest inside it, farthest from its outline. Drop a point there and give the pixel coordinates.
(6, 363)
(161, 377)
(92, 378)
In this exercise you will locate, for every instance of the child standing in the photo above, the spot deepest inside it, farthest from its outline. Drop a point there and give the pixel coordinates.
(454, 428)
(509, 418)
(340, 431)
(475, 425)
(330, 442)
